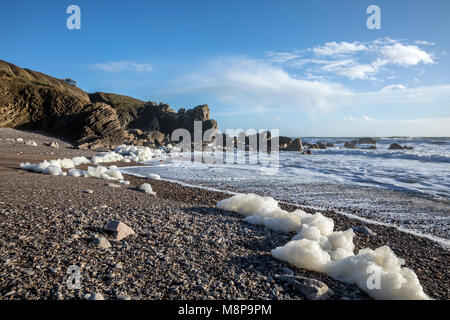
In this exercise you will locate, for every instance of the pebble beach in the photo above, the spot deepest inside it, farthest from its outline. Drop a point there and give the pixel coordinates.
(184, 246)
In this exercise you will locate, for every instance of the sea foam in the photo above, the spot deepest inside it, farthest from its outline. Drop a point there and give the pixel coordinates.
(317, 247)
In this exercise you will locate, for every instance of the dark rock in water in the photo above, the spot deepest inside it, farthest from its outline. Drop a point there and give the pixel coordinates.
(367, 141)
(350, 145)
(314, 146)
(30, 100)
(371, 148)
(309, 151)
(294, 145)
(284, 140)
(321, 145)
(306, 144)
(329, 145)
(395, 146)
(311, 289)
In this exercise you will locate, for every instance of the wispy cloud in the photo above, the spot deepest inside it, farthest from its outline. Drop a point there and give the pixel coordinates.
(359, 60)
(334, 48)
(283, 57)
(260, 86)
(119, 66)
(405, 55)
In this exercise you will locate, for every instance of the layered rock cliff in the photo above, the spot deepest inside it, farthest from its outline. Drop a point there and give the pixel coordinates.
(35, 101)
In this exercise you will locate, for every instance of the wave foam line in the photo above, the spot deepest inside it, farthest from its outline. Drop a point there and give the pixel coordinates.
(443, 242)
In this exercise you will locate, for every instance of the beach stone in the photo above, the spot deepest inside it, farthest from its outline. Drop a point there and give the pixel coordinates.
(114, 185)
(53, 144)
(100, 241)
(119, 229)
(123, 297)
(364, 230)
(31, 143)
(88, 191)
(287, 271)
(311, 289)
(94, 296)
(59, 296)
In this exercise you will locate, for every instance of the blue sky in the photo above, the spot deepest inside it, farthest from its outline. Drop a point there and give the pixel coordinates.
(309, 68)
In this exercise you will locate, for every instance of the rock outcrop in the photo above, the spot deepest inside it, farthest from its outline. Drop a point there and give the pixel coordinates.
(31, 100)
(354, 144)
(294, 145)
(367, 141)
(396, 146)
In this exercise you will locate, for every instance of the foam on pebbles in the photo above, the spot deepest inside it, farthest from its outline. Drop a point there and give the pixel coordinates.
(122, 153)
(317, 247)
(147, 188)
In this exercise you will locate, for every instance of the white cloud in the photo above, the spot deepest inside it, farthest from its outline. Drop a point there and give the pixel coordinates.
(424, 43)
(362, 119)
(392, 88)
(259, 86)
(349, 59)
(357, 71)
(334, 48)
(282, 57)
(118, 66)
(405, 55)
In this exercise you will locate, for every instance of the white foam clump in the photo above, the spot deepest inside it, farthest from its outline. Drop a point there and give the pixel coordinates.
(264, 211)
(122, 153)
(154, 176)
(107, 157)
(54, 171)
(126, 153)
(43, 167)
(319, 248)
(147, 188)
(138, 154)
(59, 163)
(248, 204)
(111, 173)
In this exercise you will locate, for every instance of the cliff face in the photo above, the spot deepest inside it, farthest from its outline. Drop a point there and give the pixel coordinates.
(151, 116)
(35, 101)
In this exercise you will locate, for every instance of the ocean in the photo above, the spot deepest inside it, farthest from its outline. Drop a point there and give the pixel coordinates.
(405, 188)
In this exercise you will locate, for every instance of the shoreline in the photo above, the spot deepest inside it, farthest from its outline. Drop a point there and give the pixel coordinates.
(244, 247)
(445, 243)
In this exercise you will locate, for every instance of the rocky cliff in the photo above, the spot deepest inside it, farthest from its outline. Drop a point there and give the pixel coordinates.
(35, 101)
